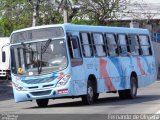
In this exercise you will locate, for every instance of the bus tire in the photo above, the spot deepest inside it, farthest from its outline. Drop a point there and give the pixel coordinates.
(88, 99)
(122, 94)
(132, 92)
(129, 93)
(42, 102)
(96, 95)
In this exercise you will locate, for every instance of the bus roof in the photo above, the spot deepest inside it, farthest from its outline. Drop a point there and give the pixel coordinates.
(91, 28)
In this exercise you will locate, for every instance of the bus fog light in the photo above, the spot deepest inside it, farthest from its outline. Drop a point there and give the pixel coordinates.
(63, 81)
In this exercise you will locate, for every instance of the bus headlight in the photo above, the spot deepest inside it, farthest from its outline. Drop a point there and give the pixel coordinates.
(63, 81)
(17, 86)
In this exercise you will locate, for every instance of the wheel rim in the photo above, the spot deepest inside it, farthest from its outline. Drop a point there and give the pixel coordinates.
(134, 87)
(90, 93)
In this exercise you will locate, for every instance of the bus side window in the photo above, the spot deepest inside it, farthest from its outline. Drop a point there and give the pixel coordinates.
(74, 47)
(74, 51)
(145, 45)
(99, 45)
(86, 44)
(112, 45)
(122, 41)
(133, 44)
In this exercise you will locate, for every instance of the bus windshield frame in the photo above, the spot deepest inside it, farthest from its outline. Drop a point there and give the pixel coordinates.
(39, 56)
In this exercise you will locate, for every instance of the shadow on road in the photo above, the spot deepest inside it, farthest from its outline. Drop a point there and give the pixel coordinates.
(107, 101)
(5, 90)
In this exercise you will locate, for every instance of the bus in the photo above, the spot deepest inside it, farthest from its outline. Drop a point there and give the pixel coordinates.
(68, 60)
(4, 57)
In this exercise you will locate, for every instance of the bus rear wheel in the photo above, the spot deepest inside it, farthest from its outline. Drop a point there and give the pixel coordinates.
(42, 102)
(129, 93)
(89, 98)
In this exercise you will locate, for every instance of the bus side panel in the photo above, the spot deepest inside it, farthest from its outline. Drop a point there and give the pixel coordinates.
(110, 74)
(148, 66)
(79, 80)
(127, 66)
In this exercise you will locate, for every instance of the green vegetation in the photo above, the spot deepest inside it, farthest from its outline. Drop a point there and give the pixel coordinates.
(17, 14)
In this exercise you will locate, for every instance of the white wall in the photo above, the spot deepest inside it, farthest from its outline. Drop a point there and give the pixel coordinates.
(156, 47)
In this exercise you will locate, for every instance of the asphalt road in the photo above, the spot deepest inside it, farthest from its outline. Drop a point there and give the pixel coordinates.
(147, 102)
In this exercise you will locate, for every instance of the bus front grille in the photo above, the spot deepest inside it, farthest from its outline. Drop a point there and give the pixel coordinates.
(39, 93)
(40, 80)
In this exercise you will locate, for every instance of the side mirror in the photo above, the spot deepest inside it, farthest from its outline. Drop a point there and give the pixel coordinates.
(3, 56)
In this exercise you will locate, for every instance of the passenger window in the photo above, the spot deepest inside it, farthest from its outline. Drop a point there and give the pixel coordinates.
(145, 45)
(122, 40)
(86, 44)
(112, 45)
(74, 47)
(99, 45)
(133, 44)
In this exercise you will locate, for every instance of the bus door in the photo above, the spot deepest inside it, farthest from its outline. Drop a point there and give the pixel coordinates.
(77, 71)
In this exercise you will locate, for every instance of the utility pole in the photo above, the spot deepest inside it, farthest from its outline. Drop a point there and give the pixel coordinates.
(34, 16)
(65, 11)
(35, 9)
(65, 15)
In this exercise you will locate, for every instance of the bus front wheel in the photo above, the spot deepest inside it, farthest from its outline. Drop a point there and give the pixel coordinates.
(88, 99)
(42, 102)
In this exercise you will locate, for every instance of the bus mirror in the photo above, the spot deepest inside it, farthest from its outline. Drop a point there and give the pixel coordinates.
(74, 42)
(3, 56)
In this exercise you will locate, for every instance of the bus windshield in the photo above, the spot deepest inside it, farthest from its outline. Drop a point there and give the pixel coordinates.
(38, 57)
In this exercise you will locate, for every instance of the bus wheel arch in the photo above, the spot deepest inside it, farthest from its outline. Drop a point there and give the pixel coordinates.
(92, 94)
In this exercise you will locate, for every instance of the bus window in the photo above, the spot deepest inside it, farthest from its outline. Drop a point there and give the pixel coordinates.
(86, 45)
(145, 45)
(74, 47)
(122, 44)
(112, 45)
(133, 44)
(99, 45)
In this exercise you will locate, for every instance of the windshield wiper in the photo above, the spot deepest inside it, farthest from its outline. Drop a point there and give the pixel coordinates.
(43, 50)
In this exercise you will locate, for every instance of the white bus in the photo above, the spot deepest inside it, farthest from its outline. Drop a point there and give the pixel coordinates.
(4, 57)
(67, 60)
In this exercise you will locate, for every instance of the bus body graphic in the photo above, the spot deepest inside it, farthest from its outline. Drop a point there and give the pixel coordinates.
(140, 66)
(105, 75)
(67, 60)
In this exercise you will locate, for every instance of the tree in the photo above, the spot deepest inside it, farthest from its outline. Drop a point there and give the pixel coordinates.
(101, 10)
(66, 8)
(14, 15)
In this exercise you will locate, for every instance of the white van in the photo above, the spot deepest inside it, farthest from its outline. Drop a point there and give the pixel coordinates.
(4, 57)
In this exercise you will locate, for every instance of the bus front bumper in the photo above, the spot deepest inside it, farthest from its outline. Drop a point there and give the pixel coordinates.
(53, 93)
